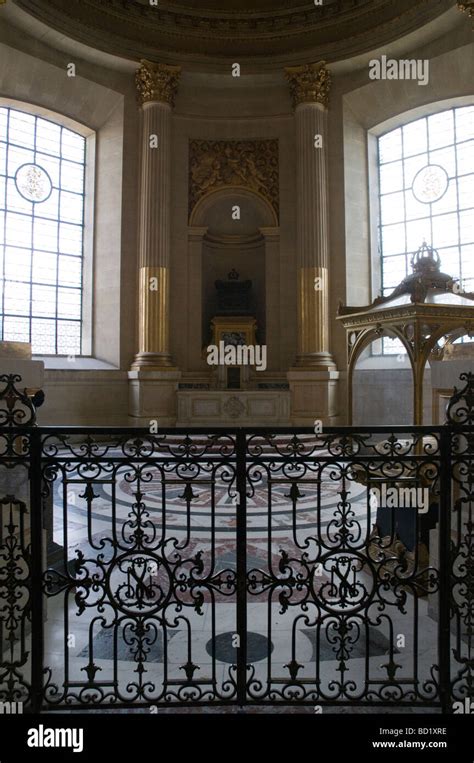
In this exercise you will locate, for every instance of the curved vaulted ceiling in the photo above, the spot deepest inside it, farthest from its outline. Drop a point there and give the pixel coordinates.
(212, 31)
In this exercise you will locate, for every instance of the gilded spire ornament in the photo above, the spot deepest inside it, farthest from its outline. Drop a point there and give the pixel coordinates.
(310, 83)
(157, 82)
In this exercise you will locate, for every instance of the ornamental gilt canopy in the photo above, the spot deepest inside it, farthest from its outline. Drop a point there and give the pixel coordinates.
(426, 311)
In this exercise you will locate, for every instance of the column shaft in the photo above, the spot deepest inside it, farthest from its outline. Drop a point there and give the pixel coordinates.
(310, 89)
(154, 237)
(312, 234)
(313, 380)
(157, 85)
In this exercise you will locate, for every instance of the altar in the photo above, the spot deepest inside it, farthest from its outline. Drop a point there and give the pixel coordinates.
(237, 388)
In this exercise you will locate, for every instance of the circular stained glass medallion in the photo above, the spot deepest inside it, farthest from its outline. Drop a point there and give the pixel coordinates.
(33, 183)
(430, 184)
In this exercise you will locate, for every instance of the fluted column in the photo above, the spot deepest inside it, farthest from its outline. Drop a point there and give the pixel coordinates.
(194, 297)
(157, 85)
(310, 87)
(314, 378)
(273, 298)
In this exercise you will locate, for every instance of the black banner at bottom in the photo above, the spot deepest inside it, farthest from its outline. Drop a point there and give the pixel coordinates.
(212, 733)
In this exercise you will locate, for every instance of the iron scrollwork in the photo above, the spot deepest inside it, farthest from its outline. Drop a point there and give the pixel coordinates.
(243, 567)
(144, 583)
(460, 417)
(17, 409)
(341, 585)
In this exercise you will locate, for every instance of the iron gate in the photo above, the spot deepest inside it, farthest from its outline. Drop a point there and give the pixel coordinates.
(237, 567)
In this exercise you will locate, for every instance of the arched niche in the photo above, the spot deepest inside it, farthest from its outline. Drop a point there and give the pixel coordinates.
(214, 211)
(233, 227)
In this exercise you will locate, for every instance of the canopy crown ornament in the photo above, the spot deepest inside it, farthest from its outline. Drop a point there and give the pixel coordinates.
(425, 259)
(426, 275)
(310, 83)
(157, 82)
(425, 281)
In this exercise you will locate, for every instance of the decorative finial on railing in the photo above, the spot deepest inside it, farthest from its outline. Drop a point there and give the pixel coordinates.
(460, 409)
(17, 409)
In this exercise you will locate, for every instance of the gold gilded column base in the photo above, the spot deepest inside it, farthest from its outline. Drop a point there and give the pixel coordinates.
(313, 320)
(153, 361)
(153, 328)
(315, 361)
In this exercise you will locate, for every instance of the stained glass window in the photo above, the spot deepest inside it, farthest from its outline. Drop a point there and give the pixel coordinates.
(42, 174)
(426, 182)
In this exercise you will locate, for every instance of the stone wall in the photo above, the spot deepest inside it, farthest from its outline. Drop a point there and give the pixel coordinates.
(385, 396)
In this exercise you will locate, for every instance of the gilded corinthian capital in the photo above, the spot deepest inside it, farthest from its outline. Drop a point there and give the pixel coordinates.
(157, 82)
(309, 83)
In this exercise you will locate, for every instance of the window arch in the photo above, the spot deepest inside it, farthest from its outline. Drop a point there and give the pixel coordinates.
(426, 192)
(42, 194)
(426, 184)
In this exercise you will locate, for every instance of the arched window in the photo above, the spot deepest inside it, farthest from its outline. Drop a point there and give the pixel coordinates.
(42, 182)
(426, 187)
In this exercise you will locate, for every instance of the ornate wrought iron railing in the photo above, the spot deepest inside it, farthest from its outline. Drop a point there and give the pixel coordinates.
(237, 567)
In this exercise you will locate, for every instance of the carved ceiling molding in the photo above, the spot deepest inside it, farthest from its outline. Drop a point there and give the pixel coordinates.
(179, 31)
(248, 20)
(249, 164)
